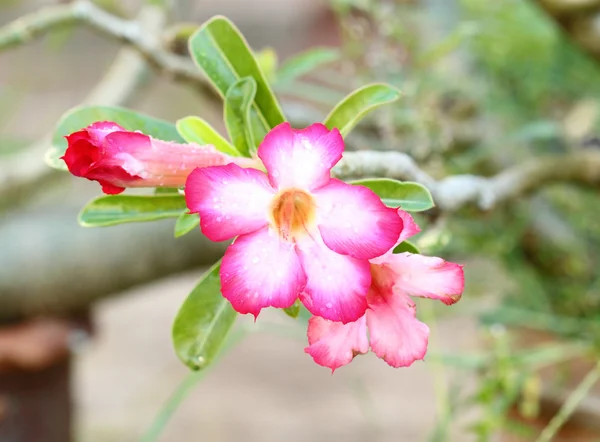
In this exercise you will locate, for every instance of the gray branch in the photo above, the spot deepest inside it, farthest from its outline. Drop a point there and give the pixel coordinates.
(131, 32)
(63, 267)
(456, 191)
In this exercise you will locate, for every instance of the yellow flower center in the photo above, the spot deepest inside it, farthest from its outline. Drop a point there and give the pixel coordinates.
(293, 212)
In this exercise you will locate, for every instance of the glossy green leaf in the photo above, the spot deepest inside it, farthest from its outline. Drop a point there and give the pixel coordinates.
(196, 130)
(294, 310)
(347, 113)
(203, 322)
(220, 50)
(81, 117)
(186, 223)
(412, 197)
(243, 130)
(406, 246)
(110, 210)
(306, 62)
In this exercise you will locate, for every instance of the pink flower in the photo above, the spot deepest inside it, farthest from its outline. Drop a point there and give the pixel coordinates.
(117, 158)
(300, 232)
(395, 335)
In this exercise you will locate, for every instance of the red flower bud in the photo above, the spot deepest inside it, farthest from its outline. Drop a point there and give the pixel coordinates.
(117, 158)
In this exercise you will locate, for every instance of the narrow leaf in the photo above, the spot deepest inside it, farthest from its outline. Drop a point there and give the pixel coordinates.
(412, 197)
(306, 62)
(347, 113)
(220, 50)
(81, 117)
(406, 246)
(242, 130)
(118, 209)
(186, 223)
(166, 191)
(203, 322)
(196, 130)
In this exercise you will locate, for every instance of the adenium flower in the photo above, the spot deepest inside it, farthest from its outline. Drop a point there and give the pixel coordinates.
(117, 158)
(395, 334)
(300, 233)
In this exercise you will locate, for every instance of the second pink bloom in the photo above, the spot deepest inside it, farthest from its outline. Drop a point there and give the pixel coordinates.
(300, 233)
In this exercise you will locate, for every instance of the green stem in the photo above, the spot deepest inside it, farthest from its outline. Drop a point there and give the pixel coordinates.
(439, 377)
(183, 390)
(570, 405)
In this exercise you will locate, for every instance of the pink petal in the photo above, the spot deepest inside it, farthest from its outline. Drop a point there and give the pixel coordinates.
(260, 270)
(333, 344)
(300, 158)
(336, 285)
(427, 277)
(162, 163)
(353, 220)
(99, 130)
(231, 200)
(409, 229)
(395, 334)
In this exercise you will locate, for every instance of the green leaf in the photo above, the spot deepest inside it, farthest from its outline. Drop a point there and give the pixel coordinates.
(242, 130)
(294, 310)
(118, 209)
(305, 62)
(203, 322)
(348, 112)
(196, 130)
(220, 50)
(186, 223)
(412, 197)
(166, 191)
(406, 246)
(80, 117)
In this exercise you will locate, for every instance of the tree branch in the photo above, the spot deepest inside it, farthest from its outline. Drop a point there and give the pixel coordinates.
(456, 191)
(25, 173)
(130, 32)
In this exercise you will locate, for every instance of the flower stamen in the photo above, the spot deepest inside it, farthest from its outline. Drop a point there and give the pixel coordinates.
(293, 212)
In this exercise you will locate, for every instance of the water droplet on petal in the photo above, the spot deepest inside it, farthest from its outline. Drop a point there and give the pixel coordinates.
(329, 305)
(219, 219)
(255, 260)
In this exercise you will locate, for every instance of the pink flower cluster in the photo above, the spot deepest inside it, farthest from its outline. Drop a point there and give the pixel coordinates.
(297, 233)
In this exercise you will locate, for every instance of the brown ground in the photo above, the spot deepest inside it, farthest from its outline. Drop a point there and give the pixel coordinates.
(266, 389)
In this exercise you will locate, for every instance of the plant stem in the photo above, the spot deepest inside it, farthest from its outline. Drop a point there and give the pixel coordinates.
(184, 389)
(570, 404)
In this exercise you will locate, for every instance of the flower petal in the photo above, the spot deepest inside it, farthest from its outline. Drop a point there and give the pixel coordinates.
(427, 277)
(260, 270)
(353, 220)
(100, 129)
(336, 285)
(410, 227)
(333, 344)
(396, 335)
(300, 158)
(231, 200)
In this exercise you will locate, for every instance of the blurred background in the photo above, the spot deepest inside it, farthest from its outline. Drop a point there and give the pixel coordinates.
(86, 314)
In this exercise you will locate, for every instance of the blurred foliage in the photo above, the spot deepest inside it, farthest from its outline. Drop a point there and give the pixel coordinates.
(486, 85)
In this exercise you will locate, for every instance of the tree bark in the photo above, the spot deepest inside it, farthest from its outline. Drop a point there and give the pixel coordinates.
(54, 266)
